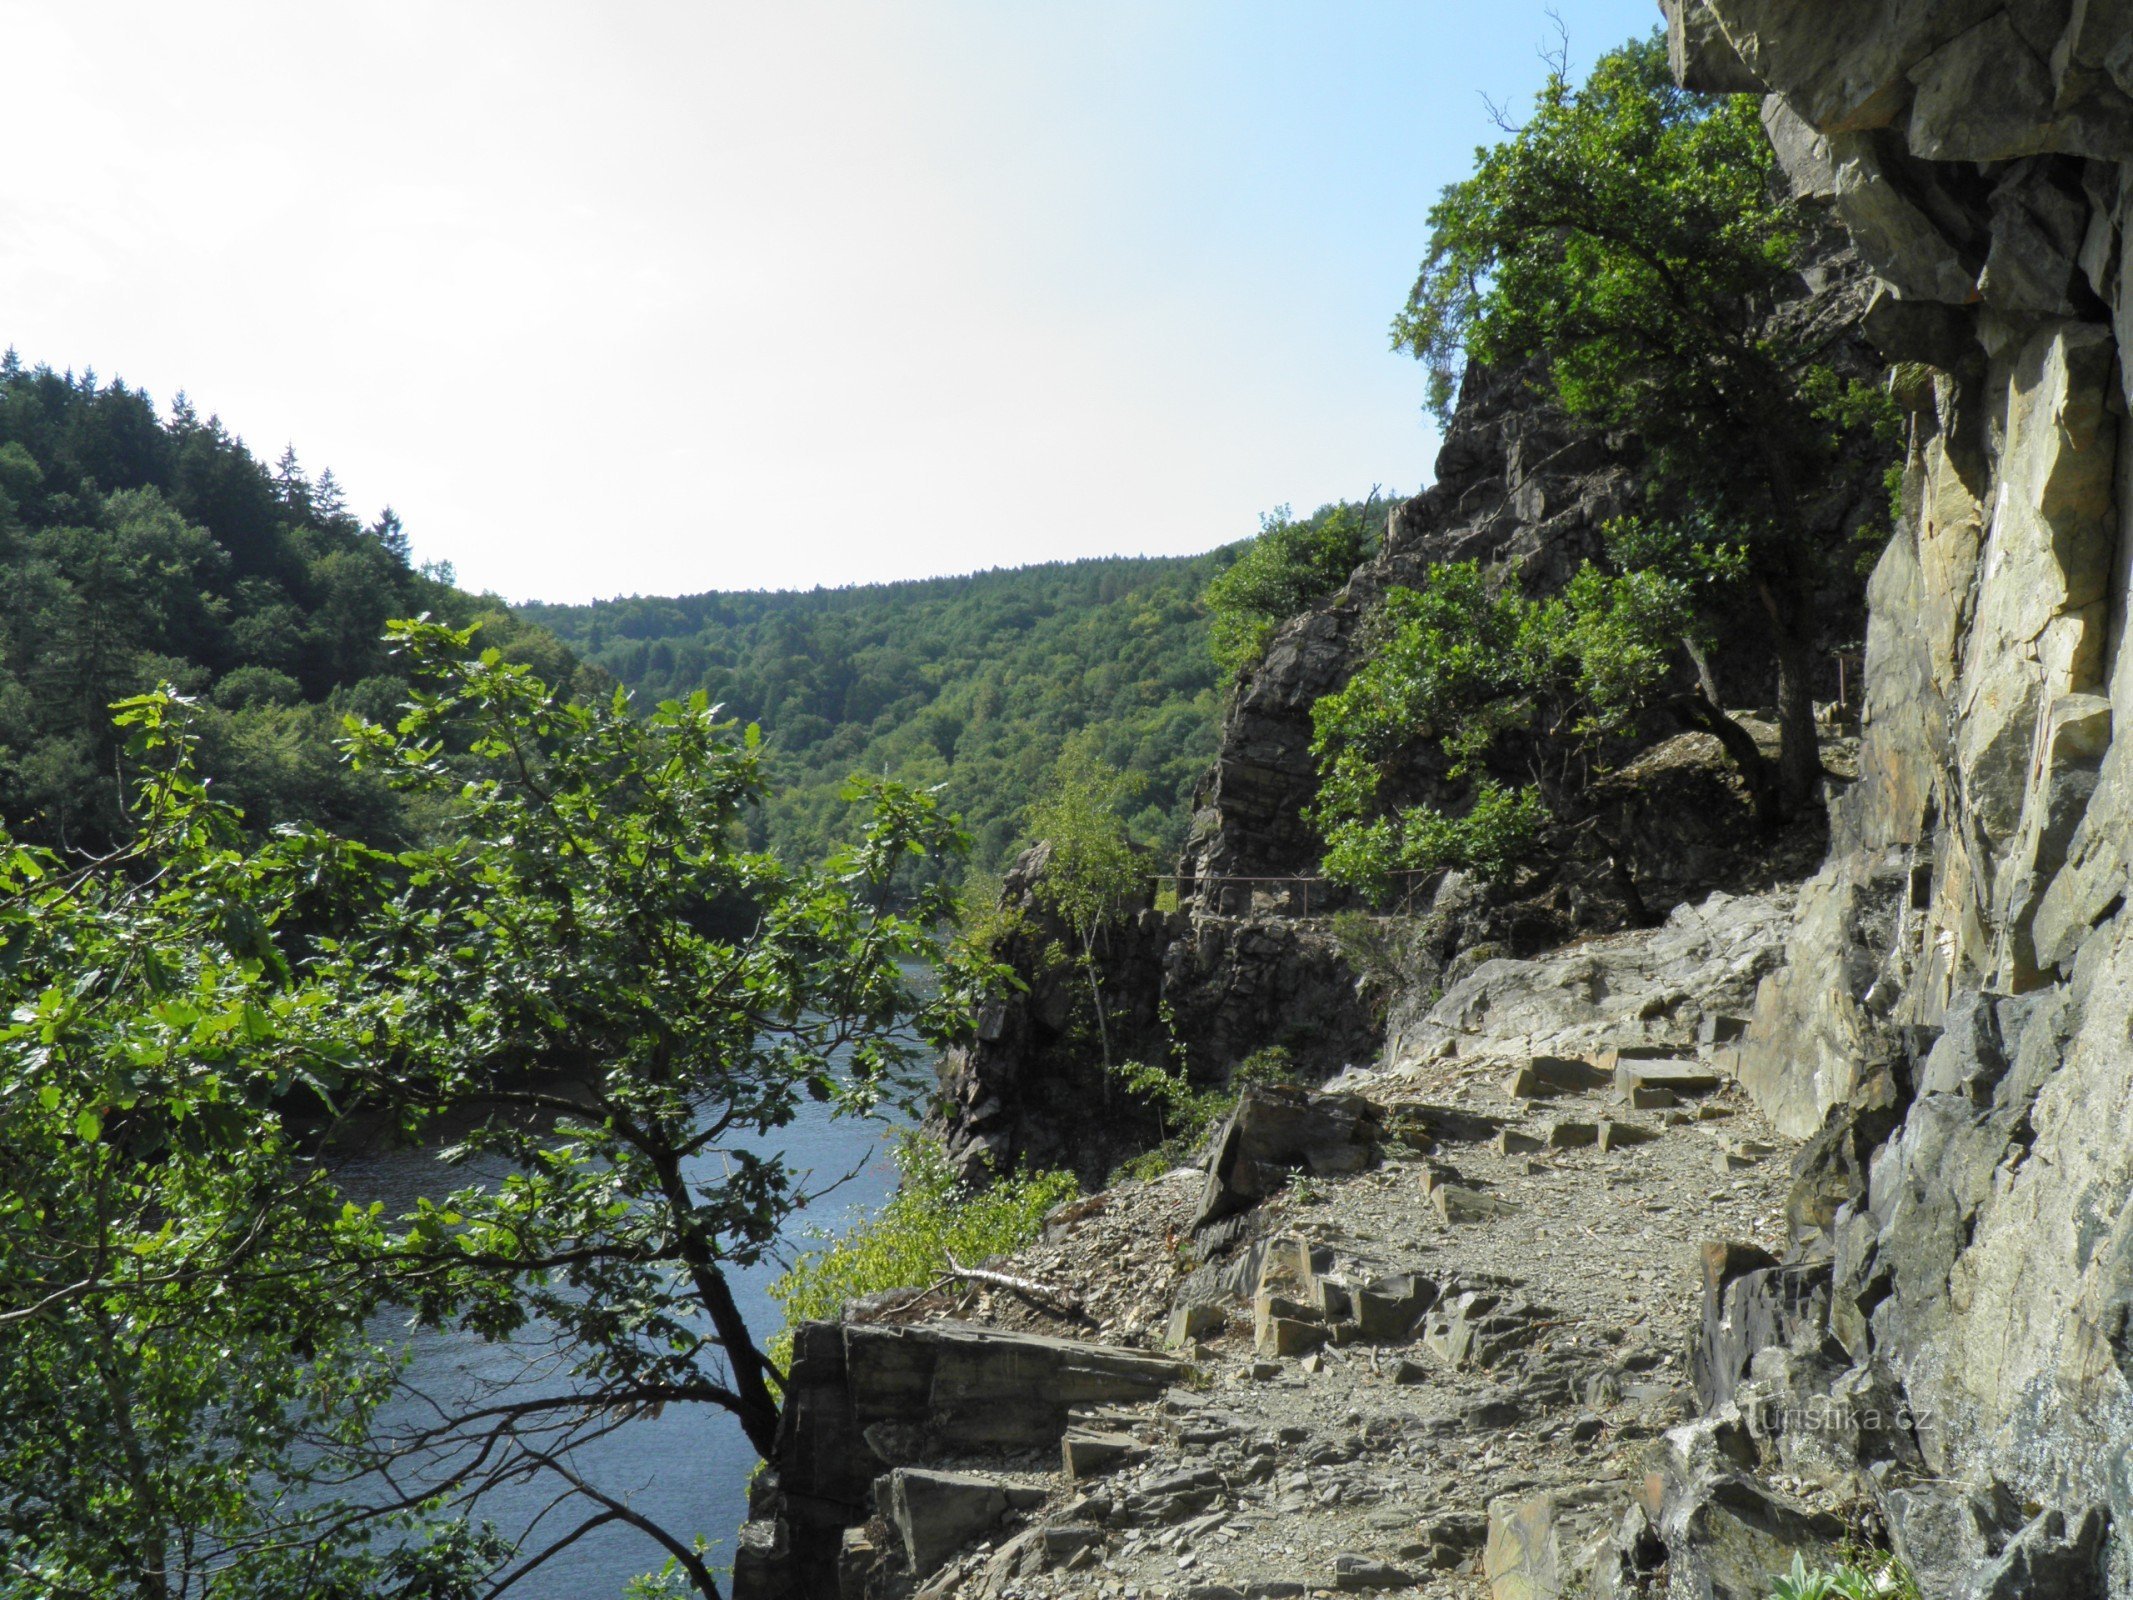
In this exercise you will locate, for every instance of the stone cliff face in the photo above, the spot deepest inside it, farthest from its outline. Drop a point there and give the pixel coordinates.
(1250, 959)
(1955, 1015)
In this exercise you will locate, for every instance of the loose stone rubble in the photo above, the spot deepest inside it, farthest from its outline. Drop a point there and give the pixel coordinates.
(1425, 1334)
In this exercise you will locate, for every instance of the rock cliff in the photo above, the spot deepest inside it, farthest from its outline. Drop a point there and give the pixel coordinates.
(1250, 958)
(1931, 1339)
(1952, 1022)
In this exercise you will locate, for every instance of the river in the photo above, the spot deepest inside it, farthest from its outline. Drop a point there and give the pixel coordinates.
(687, 1468)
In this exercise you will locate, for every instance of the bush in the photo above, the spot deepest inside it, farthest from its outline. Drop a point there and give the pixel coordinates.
(1374, 947)
(1496, 676)
(1287, 569)
(932, 1217)
(1185, 1113)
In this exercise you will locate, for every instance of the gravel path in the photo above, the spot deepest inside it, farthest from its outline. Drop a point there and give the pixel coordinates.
(1371, 1466)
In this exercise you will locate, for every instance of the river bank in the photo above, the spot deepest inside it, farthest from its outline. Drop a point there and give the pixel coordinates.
(688, 1467)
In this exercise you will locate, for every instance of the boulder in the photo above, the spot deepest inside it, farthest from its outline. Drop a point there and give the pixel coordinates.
(2054, 1555)
(1387, 1308)
(1189, 1323)
(1947, 1533)
(1724, 1532)
(937, 1513)
(1547, 1546)
(1477, 1329)
(1084, 1453)
(1278, 1130)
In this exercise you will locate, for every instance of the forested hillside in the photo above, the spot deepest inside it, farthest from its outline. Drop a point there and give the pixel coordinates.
(974, 683)
(141, 549)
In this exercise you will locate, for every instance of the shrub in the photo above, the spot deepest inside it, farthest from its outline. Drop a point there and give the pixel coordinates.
(1185, 1114)
(933, 1217)
(1291, 566)
(1863, 1575)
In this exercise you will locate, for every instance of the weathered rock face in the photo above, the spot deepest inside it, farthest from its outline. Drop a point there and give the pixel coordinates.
(1031, 1087)
(1526, 492)
(1959, 991)
(1658, 986)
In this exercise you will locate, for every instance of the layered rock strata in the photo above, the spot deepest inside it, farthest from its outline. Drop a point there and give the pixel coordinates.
(1952, 1023)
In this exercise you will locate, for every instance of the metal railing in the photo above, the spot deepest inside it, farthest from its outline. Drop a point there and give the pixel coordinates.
(1298, 885)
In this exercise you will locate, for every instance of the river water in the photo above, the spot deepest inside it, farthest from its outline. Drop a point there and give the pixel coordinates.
(687, 1468)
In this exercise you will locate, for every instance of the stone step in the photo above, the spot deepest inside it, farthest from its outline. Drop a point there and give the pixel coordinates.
(1676, 1076)
(1085, 1452)
(1543, 1077)
(1456, 1204)
(1613, 1058)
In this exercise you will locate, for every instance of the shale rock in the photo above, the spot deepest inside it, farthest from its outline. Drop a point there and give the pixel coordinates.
(1277, 1131)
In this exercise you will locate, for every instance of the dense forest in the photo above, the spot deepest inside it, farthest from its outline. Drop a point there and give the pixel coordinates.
(973, 683)
(144, 549)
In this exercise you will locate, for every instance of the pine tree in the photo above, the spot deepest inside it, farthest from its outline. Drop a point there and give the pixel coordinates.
(290, 485)
(389, 532)
(327, 500)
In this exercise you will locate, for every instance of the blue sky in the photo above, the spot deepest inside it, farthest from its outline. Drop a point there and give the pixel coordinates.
(666, 297)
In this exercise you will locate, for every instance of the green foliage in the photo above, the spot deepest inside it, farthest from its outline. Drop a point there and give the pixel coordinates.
(1092, 870)
(933, 1219)
(1474, 671)
(973, 684)
(1375, 947)
(143, 551)
(1081, 814)
(1629, 236)
(1290, 567)
(1185, 1113)
(1631, 241)
(1873, 1575)
(588, 980)
(184, 1372)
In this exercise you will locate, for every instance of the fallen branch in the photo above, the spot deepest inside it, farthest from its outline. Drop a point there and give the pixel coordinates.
(1028, 1288)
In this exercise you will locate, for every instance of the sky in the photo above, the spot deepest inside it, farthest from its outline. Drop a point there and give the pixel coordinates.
(640, 297)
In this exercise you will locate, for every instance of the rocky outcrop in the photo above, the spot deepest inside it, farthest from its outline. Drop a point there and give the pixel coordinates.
(1953, 1017)
(1522, 490)
(1210, 989)
(937, 1431)
(1694, 975)
(1251, 958)
(1946, 1339)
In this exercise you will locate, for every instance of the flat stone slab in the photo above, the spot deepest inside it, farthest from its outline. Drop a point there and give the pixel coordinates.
(1613, 1058)
(1543, 1077)
(1355, 1572)
(1457, 1204)
(1676, 1077)
(1084, 1452)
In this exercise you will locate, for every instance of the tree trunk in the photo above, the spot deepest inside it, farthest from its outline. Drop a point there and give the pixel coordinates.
(1096, 997)
(1703, 709)
(758, 1408)
(1799, 760)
